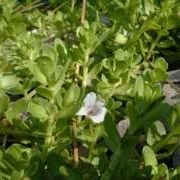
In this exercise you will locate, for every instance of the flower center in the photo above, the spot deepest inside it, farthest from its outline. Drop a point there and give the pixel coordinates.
(94, 111)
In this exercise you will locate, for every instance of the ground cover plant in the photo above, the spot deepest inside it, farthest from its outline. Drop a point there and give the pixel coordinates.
(81, 89)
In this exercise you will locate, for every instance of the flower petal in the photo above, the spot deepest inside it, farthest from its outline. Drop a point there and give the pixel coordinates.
(122, 127)
(99, 117)
(82, 111)
(90, 100)
(99, 104)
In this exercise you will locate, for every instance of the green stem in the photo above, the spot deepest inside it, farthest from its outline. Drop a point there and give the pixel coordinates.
(153, 46)
(49, 134)
(83, 12)
(93, 143)
(113, 164)
(85, 69)
(142, 48)
(72, 5)
(20, 133)
(162, 143)
(21, 7)
(85, 77)
(30, 8)
(60, 6)
(4, 141)
(167, 154)
(75, 146)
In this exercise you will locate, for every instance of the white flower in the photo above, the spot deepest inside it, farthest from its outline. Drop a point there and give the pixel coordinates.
(92, 108)
(122, 127)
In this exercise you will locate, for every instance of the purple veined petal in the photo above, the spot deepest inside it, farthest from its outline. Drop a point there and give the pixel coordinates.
(95, 109)
(99, 117)
(90, 100)
(122, 127)
(82, 111)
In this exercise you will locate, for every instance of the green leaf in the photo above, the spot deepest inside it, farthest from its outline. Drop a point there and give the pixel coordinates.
(149, 6)
(155, 133)
(120, 55)
(163, 32)
(133, 117)
(163, 172)
(16, 108)
(8, 82)
(31, 168)
(15, 151)
(96, 69)
(60, 48)
(150, 158)
(120, 39)
(45, 92)
(59, 100)
(63, 142)
(15, 175)
(160, 128)
(46, 65)
(1, 154)
(38, 75)
(158, 75)
(60, 77)
(67, 112)
(111, 135)
(34, 167)
(15, 159)
(68, 174)
(151, 138)
(71, 95)
(37, 110)
(61, 125)
(54, 161)
(166, 43)
(17, 24)
(161, 64)
(158, 111)
(176, 130)
(150, 25)
(139, 86)
(4, 103)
